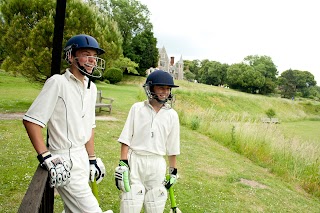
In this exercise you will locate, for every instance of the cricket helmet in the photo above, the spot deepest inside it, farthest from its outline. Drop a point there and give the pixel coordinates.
(84, 41)
(158, 78)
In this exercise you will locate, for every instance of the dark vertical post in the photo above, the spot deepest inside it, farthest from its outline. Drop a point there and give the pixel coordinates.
(58, 36)
(48, 194)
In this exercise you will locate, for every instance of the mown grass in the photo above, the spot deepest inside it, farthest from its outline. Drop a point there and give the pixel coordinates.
(230, 162)
(16, 93)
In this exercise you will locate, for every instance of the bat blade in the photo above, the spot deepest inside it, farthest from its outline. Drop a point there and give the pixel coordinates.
(94, 188)
(174, 208)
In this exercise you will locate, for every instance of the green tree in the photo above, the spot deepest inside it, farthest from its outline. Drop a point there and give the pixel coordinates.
(126, 65)
(113, 75)
(189, 76)
(144, 51)
(2, 44)
(287, 84)
(28, 33)
(193, 66)
(245, 78)
(294, 82)
(210, 72)
(270, 113)
(268, 70)
(132, 18)
(235, 75)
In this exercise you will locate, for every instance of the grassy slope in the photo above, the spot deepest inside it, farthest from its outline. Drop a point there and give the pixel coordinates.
(213, 178)
(223, 101)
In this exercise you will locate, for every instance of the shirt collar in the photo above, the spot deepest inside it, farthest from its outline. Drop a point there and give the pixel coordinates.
(69, 75)
(165, 106)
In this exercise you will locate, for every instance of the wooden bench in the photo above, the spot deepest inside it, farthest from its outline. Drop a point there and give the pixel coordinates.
(270, 120)
(103, 102)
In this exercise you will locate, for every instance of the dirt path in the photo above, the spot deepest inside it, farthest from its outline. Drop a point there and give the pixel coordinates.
(11, 116)
(18, 116)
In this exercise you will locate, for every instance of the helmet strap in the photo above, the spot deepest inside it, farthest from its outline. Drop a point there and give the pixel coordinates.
(84, 72)
(157, 99)
(89, 83)
(151, 95)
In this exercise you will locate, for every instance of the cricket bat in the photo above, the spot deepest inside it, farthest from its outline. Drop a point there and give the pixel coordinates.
(174, 208)
(94, 188)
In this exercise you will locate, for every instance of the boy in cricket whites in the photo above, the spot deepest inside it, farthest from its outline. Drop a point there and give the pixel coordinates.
(66, 105)
(151, 131)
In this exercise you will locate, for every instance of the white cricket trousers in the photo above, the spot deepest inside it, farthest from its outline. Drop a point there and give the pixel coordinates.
(147, 173)
(77, 195)
(146, 169)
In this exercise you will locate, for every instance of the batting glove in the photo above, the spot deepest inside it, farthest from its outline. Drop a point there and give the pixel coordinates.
(121, 176)
(59, 169)
(97, 169)
(173, 172)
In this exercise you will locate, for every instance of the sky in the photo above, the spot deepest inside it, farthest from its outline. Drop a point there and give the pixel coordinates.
(227, 31)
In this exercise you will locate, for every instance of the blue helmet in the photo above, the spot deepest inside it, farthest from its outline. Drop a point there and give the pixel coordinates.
(82, 41)
(158, 78)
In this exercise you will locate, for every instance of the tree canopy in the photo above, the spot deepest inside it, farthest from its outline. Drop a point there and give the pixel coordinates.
(27, 32)
(132, 18)
(295, 82)
(268, 70)
(139, 43)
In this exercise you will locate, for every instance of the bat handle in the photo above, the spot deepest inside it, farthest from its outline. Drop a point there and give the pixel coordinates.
(171, 195)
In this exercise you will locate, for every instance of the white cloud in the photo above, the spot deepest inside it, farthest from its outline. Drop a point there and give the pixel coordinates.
(229, 30)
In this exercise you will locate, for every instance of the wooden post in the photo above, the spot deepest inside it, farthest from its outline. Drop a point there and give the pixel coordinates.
(58, 36)
(39, 197)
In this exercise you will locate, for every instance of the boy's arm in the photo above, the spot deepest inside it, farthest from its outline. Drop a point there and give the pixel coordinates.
(35, 134)
(90, 145)
(124, 152)
(172, 161)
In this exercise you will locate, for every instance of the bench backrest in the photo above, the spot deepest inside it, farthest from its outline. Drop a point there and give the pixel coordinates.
(99, 96)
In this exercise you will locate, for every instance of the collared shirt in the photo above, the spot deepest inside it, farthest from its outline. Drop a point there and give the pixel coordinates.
(67, 107)
(147, 131)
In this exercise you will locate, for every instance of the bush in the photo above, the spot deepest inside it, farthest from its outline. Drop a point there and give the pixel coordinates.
(113, 75)
(270, 113)
(195, 123)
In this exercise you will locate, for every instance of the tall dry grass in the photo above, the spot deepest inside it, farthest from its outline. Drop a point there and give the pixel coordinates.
(233, 119)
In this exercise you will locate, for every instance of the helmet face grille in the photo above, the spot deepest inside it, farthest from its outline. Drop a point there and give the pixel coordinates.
(83, 41)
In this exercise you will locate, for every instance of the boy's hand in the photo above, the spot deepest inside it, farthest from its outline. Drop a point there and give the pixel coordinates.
(121, 176)
(59, 170)
(173, 177)
(97, 169)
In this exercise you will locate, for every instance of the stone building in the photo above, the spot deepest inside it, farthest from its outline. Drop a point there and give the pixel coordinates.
(169, 65)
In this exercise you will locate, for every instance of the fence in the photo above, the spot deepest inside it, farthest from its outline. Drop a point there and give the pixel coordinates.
(39, 197)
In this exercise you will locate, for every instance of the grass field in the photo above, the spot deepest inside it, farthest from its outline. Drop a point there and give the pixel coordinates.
(220, 168)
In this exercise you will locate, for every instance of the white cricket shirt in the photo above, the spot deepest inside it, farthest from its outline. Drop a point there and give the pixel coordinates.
(151, 132)
(67, 107)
